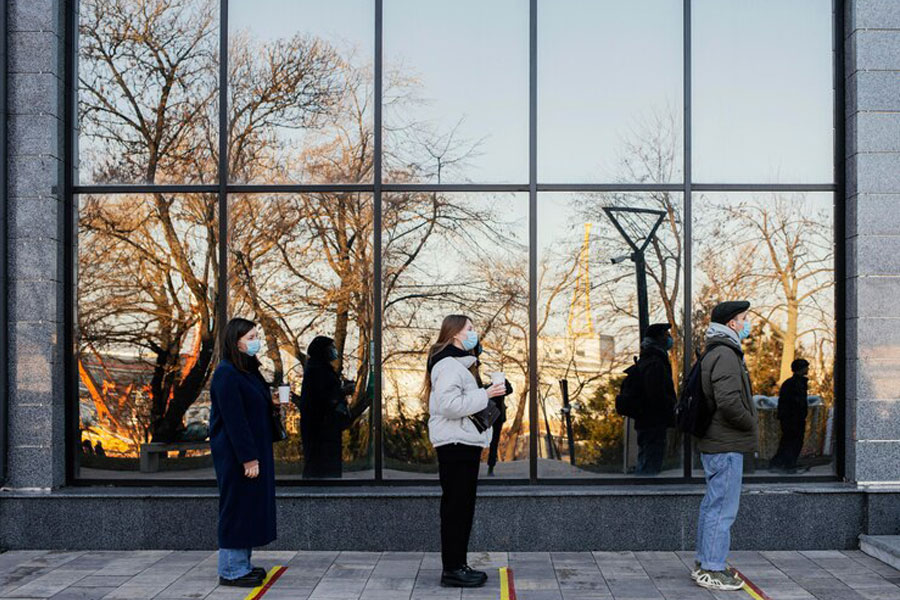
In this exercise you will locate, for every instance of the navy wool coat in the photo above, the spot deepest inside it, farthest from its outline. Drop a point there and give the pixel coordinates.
(240, 430)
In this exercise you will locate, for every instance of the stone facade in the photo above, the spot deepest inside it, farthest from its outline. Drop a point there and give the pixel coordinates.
(36, 443)
(36, 448)
(872, 46)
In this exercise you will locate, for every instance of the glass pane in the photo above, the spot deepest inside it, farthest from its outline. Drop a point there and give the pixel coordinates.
(610, 91)
(302, 267)
(588, 331)
(146, 329)
(777, 251)
(300, 91)
(456, 91)
(148, 103)
(762, 91)
(446, 254)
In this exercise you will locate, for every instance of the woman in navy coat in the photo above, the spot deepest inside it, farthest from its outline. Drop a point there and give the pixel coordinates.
(240, 436)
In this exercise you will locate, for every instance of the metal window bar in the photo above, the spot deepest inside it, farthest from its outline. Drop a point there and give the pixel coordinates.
(687, 301)
(376, 415)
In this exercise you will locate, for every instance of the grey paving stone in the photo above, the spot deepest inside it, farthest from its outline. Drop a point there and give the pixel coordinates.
(294, 578)
(10, 560)
(687, 593)
(49, 584)
(83, 593)
(102, 581)
(585, 595)
(483, 593)
(19, 576)
(633, 589)
(390, 583)
(872, 564)
(819, 575)
(834, 592)
(538, 595)
(275, 594)
(228, 593)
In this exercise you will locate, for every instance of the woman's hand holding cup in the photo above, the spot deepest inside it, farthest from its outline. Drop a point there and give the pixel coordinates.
(496, 389)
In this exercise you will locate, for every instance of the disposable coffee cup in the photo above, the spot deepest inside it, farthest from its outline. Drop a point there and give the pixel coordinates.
(284, 393)
(497, 377)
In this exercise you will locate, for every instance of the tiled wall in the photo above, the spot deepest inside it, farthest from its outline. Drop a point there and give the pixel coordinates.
(873, 239)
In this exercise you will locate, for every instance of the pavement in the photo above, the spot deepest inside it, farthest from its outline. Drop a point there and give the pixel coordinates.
(177, 575)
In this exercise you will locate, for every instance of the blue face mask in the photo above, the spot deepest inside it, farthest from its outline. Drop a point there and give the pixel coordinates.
(670, 343)
(471, 340)
(253, 347)
(744, 333)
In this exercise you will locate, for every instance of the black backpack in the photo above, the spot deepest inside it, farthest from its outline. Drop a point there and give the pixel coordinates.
(693, 414)
(630, 399)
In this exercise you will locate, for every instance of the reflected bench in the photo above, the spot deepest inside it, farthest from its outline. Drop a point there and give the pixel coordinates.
(151, 452)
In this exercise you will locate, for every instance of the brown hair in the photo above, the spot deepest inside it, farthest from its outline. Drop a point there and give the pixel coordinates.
(451, 325)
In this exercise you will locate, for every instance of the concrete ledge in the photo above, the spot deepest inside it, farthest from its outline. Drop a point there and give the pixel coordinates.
(885, 548)
(526, 518)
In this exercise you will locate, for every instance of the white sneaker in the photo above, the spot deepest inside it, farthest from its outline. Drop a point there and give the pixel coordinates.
(696, 571)
(718, 580)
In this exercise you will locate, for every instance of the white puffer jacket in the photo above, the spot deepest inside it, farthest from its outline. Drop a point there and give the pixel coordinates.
(454, 396)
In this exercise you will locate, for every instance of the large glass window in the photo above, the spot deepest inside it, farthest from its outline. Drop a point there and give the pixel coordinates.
(148, 81)
(610, 91)
(453, 254)
(300, 91)
(762, 91)
(456, 91)
(776, 250)
(147, 329)
(589, 313)
(532, 177)
(301, 265)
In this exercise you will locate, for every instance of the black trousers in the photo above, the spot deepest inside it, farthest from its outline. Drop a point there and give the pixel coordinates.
(458, 468)
(494, 450)
(790, 446)
(651, 450)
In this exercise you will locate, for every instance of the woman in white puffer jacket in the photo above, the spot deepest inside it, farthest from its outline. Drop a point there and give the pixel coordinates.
(453, 394)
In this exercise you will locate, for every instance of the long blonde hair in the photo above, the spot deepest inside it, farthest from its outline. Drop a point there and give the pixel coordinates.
(451, 325)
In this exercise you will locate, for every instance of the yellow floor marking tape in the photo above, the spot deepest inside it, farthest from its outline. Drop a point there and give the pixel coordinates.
(507, 585)
(751, 588)
(271, 577)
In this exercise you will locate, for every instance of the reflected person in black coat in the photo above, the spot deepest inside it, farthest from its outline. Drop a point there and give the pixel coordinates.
(792, 410)
(658, 410)
(324, 412)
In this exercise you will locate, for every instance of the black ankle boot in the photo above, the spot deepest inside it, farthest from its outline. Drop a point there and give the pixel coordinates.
(250, 580)
(464, 577)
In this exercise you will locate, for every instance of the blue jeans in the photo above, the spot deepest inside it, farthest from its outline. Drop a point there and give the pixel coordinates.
(719, 507)
(234, 563)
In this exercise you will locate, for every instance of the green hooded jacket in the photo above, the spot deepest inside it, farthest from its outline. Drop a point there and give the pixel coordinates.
(726, 385)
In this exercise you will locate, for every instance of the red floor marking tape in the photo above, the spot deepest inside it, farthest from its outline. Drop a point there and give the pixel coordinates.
(273, 575)
(751, 588)
(507, 585)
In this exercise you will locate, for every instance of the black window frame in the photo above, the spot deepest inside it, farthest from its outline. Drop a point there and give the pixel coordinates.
(223, 189)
